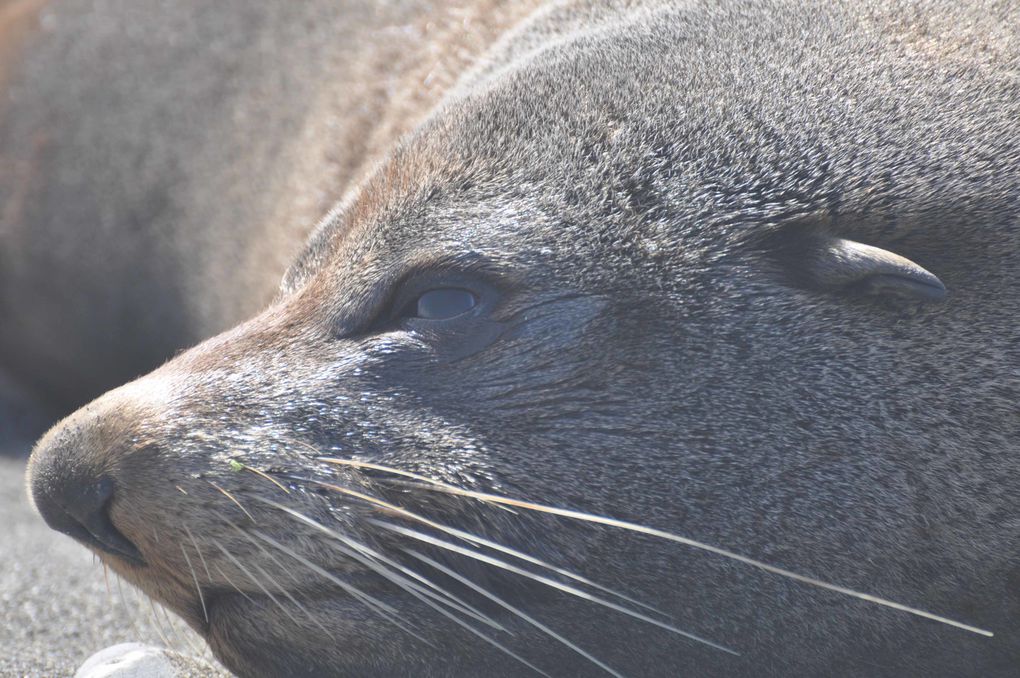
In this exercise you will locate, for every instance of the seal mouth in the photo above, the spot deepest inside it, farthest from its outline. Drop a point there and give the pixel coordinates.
(107, 540)
(219, 612)
(96, 531)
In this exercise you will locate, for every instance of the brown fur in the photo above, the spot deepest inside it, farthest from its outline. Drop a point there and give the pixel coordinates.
(741, 271)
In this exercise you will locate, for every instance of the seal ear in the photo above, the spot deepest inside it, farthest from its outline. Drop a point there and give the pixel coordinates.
(835, 264)
(832, 263)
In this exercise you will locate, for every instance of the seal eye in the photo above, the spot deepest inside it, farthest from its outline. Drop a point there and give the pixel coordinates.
(445, 303)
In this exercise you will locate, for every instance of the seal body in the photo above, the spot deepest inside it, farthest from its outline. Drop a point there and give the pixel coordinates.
(677, 265)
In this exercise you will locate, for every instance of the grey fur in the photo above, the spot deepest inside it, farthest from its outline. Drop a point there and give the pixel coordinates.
(629, 188)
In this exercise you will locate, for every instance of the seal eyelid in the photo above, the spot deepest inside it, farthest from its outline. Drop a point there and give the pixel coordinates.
(433, 295)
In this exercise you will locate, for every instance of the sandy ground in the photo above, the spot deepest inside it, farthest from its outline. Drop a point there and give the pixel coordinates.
(55, 605)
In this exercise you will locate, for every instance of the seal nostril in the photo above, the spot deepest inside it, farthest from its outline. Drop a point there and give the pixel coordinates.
(81, 511)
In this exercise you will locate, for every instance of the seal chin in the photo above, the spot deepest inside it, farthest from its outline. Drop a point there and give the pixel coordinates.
(241, 639)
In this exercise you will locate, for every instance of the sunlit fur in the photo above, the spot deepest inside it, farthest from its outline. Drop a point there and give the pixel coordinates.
(622, 183)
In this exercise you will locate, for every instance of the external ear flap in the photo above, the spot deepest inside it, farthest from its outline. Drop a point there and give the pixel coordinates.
(839, 264)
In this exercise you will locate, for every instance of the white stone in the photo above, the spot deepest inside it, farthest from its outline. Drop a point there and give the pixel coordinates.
(128, 660)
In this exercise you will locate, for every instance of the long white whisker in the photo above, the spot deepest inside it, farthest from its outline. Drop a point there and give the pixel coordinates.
(548, 582)
(199, 551)
(491, 641)
(364, 554)
(198, 589)
(232, 584)
(380, 608)
(474, 539)
(158, 624)
(258, 583)
(283, 590)
(188, 639)
(414, 590)
(499, 601)
(642, 529)
(295, 601)
(127, 608)
(438, 594)
(419, 593)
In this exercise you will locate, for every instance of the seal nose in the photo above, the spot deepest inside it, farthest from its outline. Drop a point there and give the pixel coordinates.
(76, 502)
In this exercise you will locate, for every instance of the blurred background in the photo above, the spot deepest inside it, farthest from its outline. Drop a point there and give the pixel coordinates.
(57, 605)
(127, 129)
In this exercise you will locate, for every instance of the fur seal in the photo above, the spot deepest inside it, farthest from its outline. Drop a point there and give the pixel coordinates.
(678, 339)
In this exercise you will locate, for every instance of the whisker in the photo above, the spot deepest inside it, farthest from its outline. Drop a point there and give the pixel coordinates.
(158, 625)
(412, 589)
(419, 593)
(199, 551)
(499, 601)
(239, 466)
(283, 590)
(179, 635)
(294, 600)
(450, 599)
(474, 539)
(194, 577)
(359, 548)
(492, 641)
(520, 555)
(380, 608)
(233, 499)
(348, 588)
(127, 608)
(651, 531)
(584, 595)
(233, 585)
(293, 576)
(255, 580)
(447, 598)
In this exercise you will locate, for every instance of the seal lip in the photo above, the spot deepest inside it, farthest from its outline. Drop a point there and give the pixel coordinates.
(111, 543)
(92, 528)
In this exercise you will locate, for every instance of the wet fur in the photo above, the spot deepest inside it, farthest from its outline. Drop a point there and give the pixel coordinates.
(628, 182)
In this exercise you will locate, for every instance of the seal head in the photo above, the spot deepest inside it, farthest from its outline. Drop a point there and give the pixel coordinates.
(742, 274)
